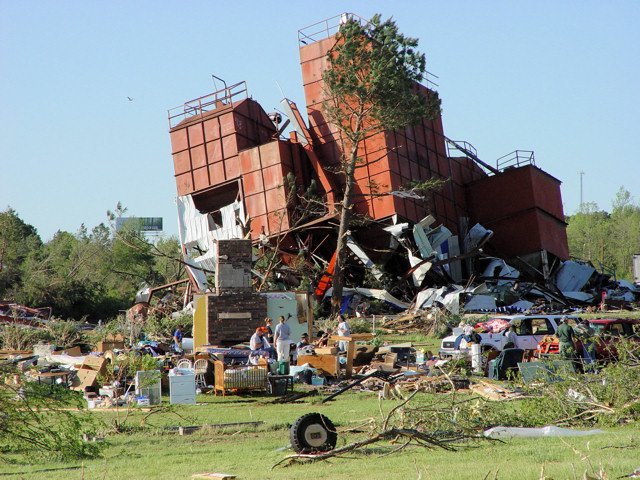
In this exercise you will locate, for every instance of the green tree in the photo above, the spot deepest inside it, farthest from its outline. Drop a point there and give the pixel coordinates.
(607, 239)
(370, 88)
(588, 233)
(625, 232)
(17, 241)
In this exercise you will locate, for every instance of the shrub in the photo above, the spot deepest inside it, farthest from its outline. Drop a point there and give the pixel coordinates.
(162, 328)
(16, 337)
(64, 333)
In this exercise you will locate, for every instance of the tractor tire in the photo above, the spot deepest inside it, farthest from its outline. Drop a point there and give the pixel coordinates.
(313, 433)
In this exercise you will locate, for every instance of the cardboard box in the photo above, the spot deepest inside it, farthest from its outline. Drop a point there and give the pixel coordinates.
(326, 350)
(72, 352)
(87, 374)
(85, 377)
(110, 342)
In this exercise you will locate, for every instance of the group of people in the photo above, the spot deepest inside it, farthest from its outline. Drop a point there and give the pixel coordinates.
(567, 336)
(263, 340)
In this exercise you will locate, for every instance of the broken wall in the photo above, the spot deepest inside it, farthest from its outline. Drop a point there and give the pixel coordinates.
(523, 206)
(235, 310)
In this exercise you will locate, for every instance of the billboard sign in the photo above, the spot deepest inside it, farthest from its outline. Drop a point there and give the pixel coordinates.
(144, 224)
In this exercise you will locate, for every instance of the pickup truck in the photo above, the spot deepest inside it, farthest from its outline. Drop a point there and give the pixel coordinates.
(530, 330)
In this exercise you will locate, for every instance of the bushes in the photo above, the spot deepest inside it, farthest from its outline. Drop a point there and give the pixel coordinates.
(15, 337)
(64, 333)
(162, 328)
(61, 333)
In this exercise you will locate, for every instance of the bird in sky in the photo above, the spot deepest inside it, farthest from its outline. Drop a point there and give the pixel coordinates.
(130, 99)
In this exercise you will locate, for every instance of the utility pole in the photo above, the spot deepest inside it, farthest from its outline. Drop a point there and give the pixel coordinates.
(581, 173)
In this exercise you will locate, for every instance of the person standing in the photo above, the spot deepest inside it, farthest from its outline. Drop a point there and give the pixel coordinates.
(282, 338)
(177, 339)
(268, 323)
(565, 336)
(511, 337)
(585, 334)
(342, 330)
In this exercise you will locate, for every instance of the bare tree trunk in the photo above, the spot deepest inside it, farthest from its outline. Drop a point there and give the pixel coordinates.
(346, 214)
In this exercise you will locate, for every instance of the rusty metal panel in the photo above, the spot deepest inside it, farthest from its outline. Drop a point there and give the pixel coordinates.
(229, 146)
(259, 225)
(232, 167)
(216, 173)
(214, 151)
(179, 140)
(277, 221)
(181, 162)
(184, 183)
(198, 157)
(272, 176)
(201, 178)
(212, 129)
(250, 160)
(196, 135)
(253, 181)
(256, 205)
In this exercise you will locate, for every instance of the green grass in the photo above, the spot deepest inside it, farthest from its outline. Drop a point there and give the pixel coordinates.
(419, 340)
(249, 453)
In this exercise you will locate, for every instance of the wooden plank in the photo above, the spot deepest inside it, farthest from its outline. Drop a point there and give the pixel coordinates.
(327, 363)
(351, 348)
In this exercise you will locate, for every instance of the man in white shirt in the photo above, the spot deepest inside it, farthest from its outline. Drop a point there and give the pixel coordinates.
(343, 330)
(511, 337)
(282, 339)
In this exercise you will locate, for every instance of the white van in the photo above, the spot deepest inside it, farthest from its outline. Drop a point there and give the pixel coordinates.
(530, 329)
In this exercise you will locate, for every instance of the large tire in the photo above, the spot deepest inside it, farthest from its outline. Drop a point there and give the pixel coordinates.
(312, 433)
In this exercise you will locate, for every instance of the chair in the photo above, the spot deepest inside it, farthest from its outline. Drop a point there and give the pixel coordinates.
(506, 363)
(184, 363)
(200, 367)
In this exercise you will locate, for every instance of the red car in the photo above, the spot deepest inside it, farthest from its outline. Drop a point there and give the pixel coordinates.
(607, 332)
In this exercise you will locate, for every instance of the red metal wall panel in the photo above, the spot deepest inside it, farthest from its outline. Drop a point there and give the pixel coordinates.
(507, 201)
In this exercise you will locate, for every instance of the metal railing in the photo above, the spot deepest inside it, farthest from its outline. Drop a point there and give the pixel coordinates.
(517, 158)
(454, 145)
(326, 28)
(198, 106)
(330, 26)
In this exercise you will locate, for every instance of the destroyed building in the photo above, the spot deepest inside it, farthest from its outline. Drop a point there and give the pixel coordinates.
(238, 176)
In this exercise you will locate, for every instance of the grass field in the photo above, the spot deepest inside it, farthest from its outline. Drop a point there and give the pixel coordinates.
(151, 452)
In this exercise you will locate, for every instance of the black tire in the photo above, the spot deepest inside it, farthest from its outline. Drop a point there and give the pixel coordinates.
(313, 433)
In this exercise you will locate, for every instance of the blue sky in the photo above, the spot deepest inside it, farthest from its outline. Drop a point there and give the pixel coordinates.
(557, 77)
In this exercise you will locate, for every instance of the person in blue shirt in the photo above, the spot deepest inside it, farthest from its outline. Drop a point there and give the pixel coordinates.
(177, 339)
(282, 338)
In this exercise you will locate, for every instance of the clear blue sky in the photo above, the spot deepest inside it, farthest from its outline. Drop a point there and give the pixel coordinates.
(557, 77)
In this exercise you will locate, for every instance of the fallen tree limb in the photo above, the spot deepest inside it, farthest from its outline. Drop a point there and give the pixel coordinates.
(412, 435)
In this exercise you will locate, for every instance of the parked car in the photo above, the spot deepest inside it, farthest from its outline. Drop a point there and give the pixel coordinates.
(608, 331)
(530, 330)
